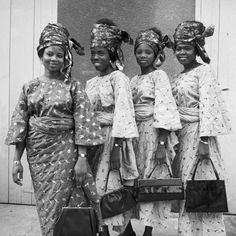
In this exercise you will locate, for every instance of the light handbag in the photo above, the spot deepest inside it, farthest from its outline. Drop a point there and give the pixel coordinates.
(76, 221)
(206, 195)
(118, 201)
(151, 190)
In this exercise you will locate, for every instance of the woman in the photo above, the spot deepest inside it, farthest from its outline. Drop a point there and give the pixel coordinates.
(52, 121)
(156, 116)
(111, 99)
(203, 117)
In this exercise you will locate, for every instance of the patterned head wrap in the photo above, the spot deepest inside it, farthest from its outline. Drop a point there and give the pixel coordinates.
(156, 42)
(194, 32)
(111, 38)
(56, 34)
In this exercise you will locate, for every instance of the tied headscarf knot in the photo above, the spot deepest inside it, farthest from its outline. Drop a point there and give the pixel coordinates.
(194, 32)
(110, 37)
(156, 41)
(58, 35)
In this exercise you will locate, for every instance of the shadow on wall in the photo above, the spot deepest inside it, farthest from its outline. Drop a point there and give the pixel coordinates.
(132, 16)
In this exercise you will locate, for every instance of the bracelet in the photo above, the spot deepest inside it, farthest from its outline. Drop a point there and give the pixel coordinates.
(205, 142)
(17, 162)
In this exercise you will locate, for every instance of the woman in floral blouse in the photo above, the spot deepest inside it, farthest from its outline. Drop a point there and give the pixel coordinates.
(53, 123)
(203, 116)
(111, 100)
(156, 116)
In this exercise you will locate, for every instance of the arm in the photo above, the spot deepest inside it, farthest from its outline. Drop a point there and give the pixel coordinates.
(161, 150)
(17, 169)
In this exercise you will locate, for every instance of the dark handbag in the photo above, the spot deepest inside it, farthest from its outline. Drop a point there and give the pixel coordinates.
(76, 221)
(206, 195)
(118, 201)
(151, 190)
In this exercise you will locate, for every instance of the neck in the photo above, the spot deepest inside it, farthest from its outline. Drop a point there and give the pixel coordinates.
(191, 66)
(146, 70)
(53, 75)
(107, 71)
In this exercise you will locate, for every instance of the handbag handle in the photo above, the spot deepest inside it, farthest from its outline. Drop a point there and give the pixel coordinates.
(121, 180)
(155, 168)
(195, 169)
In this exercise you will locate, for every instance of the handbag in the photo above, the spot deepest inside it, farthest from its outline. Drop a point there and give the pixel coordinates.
(118, 201)
(206, 195)
(76, 221)
(151, 190)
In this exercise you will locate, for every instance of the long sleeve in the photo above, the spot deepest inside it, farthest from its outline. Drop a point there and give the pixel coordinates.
(19, 121)
(124, 125)
(213, 115)
(166, 115)
(87, 129)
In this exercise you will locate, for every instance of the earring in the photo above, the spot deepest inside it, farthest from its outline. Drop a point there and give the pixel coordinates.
(157, 62)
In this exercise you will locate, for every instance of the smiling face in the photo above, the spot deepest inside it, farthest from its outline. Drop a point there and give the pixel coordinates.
(145, 56)
(101, 60)
(53, 59)
(185, 53)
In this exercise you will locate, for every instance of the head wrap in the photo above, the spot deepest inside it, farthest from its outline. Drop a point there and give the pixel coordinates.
(194, 32)
(156, 42)
(56, 34)
(111, 38)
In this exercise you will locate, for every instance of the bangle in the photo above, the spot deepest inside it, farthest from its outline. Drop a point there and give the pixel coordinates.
(205, 142)
(82, 155)
(16, 162)
(117, 145)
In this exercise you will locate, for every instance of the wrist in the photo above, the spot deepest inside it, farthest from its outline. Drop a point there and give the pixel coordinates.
(82, 155)
(16, 162)
(161, 142)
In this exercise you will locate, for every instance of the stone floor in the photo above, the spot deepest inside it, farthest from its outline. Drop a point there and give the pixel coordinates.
(21, 220)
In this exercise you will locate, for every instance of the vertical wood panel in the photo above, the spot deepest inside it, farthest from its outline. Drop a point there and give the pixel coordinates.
(227, 75)
(222, 50)
(21, 71)
(4, 96)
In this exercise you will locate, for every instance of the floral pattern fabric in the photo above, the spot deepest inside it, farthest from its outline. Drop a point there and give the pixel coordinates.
(202, 113)
(111, 101)
(52, 116)
(155, 108)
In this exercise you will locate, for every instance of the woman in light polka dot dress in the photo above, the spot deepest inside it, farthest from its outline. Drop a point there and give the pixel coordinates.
(204, 117)
(53, 122)
(111, 99)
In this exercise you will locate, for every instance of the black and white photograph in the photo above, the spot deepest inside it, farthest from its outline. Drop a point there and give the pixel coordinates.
(118, 118)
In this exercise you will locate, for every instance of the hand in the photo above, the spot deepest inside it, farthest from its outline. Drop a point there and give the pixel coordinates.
(17, 173)
(137, 96)
(203, 150)
(161, 152)
(115, 157)
(80, 170)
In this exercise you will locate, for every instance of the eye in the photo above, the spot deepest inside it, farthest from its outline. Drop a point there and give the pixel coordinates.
(60, 55)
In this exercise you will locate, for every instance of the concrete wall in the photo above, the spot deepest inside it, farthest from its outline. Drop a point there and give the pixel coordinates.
(131, 15)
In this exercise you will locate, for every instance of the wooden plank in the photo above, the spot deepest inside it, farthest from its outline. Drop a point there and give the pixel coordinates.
(227, 75)
(21, 71)
(4, 96)
(207, 11)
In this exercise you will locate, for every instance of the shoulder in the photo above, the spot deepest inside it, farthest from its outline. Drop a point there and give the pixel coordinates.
(119, 77)
(31, 85)
(160, 76)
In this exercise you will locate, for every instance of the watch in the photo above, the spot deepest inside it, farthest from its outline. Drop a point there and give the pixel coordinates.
(161, 143)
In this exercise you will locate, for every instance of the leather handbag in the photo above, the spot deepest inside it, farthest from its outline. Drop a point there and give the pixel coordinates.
(151, 190)
(76, 221)
(118, 201)
(206, 195)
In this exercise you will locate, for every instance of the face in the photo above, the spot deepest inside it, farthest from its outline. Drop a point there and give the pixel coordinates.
(145, 56)
(185, 53)
(100, 59)
(53, 58)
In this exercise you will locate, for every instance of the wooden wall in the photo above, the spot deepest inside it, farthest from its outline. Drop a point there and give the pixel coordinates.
(222, 50)
(21, 22)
